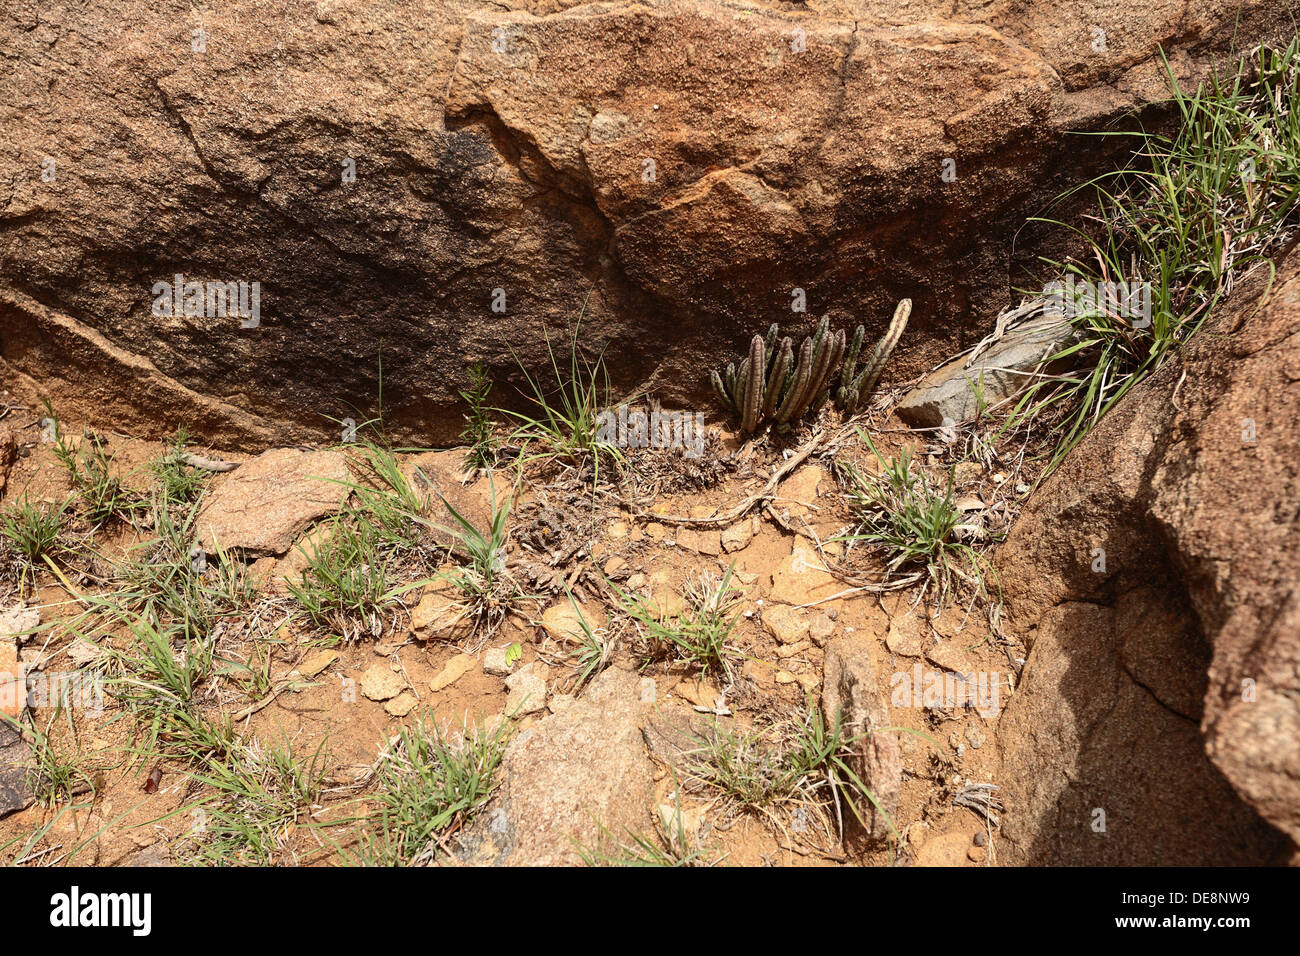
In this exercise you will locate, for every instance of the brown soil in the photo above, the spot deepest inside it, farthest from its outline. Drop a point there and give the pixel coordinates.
(949, 746)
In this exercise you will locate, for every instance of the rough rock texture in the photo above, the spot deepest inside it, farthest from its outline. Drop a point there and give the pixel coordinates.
(455, 669)
(262, 506)
(381, 682)
(15, 764)
(988, 381)
(8, 453)
(18, 622)
(564, 621)
(436, 476)
(527, 692)
(508, 146)
(1187, 640)
(566, 776)
(441, 614)
(944, 849)
(13, 682)
(850, 693)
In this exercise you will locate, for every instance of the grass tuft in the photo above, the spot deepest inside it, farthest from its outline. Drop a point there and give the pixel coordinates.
(700, 632)
(33, 531)
(429, 781)
(566, 423)
(260, 794)
(1191, 214)
(914, 522)
(796, 771)
(94, 474)
(346, 584)
(485, 582)
(180, 482)
(58, 773)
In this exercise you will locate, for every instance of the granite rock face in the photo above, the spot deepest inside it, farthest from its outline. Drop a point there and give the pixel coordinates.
(1153, 578)
(453, 178)
(570, 781)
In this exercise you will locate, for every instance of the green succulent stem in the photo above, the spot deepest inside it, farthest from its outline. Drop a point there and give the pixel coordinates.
(775, 386)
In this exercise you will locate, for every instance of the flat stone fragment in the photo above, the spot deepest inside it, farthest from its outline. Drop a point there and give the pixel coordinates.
(402, 704)
(958, 391)
(454, 670)
(265, 504)
(18, 621)
(381, 682)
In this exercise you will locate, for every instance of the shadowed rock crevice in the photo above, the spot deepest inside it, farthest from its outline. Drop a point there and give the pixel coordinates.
(1161, 692)
(520, 168)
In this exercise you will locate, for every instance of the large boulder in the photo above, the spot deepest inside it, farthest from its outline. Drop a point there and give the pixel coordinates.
(572, 783)
(446, 180)
(1153, 577)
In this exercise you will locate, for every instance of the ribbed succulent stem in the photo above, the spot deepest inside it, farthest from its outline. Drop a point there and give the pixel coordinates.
(865, 382)
(851, 358)
(776, 381)
(769, 346)
(720, 390)
(802, 372)
(834, 354)
(757, 365)
(773, 385)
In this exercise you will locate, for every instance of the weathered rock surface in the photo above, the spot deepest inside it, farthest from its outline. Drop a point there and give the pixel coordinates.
(944, 849)
(564, 621)
(850, 694)
(1185, 641)
(381, 682)
(13, 681)
(527, 691)
(454, 670)
(262, 507)
(802, 578)
(496, 661)
(15, 765)
(567, 775)
(18, 622)
(797, 494)
(8, 453)
(787, 625)
(441, 614)
(736, 537)
(680, 160)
